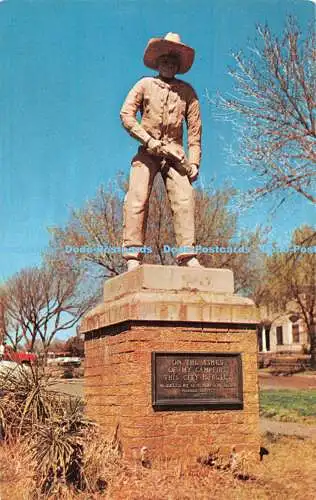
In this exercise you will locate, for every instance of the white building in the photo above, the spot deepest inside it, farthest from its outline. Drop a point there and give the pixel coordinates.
(282, 332)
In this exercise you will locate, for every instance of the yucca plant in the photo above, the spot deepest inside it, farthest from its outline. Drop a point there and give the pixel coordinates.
(57, 447)
(64, 445)
(25, 400)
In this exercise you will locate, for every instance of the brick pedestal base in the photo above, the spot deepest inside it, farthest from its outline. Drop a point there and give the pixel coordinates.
(168, 309)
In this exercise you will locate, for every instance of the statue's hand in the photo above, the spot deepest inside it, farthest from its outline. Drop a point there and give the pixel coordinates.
(154, 146)
(193, 172)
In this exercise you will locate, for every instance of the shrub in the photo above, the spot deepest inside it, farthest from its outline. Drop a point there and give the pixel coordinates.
(63, 446)
(25, 400)
(305, 349)
(68, 372)
(57, 448)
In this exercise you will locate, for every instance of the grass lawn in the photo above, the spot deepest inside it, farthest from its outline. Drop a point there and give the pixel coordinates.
(288, 405)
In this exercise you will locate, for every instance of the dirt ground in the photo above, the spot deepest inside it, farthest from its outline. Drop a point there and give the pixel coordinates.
(287, 472)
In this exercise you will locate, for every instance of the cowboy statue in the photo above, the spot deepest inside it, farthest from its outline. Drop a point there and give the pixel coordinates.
(164, 103)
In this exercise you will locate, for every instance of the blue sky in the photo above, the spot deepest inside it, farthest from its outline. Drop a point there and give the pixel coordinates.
(65, 69)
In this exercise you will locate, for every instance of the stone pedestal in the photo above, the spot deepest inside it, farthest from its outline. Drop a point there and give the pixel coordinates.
(193, 318)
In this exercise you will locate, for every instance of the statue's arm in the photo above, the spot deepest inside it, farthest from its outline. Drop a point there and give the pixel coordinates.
(131, 106)
(194, 125)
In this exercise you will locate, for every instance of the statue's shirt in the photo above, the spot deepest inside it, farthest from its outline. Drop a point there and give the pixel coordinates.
(164, 107)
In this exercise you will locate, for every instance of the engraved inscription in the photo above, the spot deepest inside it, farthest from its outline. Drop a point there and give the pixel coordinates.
(197, 378)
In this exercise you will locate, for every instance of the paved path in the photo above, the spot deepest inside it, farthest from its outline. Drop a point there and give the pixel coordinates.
(74, 387)
(287, 428)
(295, 382)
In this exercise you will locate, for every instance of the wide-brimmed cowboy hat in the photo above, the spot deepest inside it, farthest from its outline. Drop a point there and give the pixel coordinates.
(170, 44)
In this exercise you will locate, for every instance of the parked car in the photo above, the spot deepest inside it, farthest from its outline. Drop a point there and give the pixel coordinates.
(64, 361)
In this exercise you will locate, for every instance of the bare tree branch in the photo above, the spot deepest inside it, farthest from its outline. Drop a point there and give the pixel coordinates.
(274, 112)
(40, 302)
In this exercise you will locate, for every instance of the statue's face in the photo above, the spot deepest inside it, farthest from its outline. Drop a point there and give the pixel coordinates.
(168, 65)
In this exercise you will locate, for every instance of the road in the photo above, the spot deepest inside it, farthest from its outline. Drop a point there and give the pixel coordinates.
(74, 387)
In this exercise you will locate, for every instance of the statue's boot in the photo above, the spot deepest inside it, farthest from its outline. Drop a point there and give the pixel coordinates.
(190, 262)
(132, 264)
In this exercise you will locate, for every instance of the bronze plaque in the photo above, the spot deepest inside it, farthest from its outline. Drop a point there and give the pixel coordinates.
(210, 380)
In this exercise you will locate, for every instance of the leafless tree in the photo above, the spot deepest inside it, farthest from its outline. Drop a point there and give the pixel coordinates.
(99, 225)
(274, 112)
(40, 302)
(92, 231)
(11, 331)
